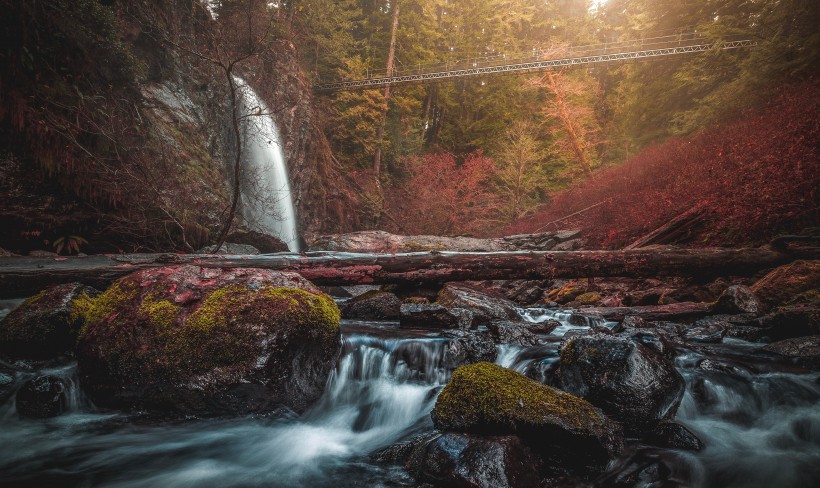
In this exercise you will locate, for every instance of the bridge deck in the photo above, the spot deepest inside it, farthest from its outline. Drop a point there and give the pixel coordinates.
(540, 59)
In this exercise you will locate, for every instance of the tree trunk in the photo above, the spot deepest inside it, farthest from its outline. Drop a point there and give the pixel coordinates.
(24, 276)
(377, 159)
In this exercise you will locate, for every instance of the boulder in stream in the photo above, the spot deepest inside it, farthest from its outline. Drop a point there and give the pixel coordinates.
(631, 382)
(373, 305)
(487, 399)
(44, 326)
(468, 461)
(483, 303)
(41, 397)
(192, 340)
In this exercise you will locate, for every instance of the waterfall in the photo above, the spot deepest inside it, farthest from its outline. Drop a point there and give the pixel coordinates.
(267, 205)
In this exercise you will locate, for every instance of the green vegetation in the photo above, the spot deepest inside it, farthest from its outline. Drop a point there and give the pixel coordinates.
(485, 397)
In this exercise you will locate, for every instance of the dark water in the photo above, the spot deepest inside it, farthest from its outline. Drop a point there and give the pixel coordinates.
(760, 425)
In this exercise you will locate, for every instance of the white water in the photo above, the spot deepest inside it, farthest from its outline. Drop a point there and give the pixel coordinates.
(267, 204)
(760, 428)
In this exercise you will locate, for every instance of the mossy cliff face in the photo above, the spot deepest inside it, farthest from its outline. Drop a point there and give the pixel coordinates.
(45, 325)
(484, 398)
(195, 340)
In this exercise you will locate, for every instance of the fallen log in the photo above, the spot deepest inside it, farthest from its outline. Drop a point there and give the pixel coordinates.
(23, 276)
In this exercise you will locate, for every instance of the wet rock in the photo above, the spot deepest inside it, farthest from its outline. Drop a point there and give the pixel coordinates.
(792, 321)
(751, 334)
(787, 282)
(46, 325)
(426, 315)
(472, 348)
(675, 436)
(806, 350)
(544, 327)
(516, 333)
(738, 299)
(191, 340)
(522, 292)
(482, 303)
(266, 244)
(569, 291)
(373, 305)
(486, 399)
(635, 322)
(41, 397)
(399, 452)
(230, 248)
(653, 340)
(643, 469)
(709, 334)
(464, 318)
(7, 381)
(630, 382)
(468, 461)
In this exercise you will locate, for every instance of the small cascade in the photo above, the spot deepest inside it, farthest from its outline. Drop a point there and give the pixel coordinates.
(267, 204)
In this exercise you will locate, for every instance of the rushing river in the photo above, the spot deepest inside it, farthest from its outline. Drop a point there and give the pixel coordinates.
(760, 424)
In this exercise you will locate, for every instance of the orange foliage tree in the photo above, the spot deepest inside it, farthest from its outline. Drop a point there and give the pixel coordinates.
(444, 196)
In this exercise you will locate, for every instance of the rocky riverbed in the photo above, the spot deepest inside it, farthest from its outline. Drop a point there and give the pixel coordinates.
(453, 387)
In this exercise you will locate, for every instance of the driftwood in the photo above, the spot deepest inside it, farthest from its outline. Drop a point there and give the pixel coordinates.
(22, 276)
(671, 230)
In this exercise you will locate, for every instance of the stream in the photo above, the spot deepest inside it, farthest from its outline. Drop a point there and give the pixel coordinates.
(759, 421)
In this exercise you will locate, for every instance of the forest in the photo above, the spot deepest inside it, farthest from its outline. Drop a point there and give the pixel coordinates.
(410, 243)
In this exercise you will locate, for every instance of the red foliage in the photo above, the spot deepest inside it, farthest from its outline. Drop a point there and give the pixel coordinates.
(444, 197)
(755, 178)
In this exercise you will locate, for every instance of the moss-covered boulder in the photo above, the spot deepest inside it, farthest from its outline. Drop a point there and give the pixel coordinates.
(634, 384)
(46, 325)
(196, 340)
(373, 305)
(789, 284)
(487, 399)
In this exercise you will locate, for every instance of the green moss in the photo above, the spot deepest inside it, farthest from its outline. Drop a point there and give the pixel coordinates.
(94, 309)
(486, 396)
(589, 298)
(161, 313)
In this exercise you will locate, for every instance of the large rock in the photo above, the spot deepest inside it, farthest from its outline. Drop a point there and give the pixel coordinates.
(44, 326)
(265, 243)
(787, 283)
(738, 299)
(472, 348)
(631, 382)
(804, 350)
(196, 340)
(468, 461)
(373, 305)
(484, 305)
(426, 316)
(41, 397)
(791, 321)
(486, 399)
(515, 333)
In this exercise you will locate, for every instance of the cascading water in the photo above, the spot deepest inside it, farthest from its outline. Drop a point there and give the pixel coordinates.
(761, 426)
(267, 204)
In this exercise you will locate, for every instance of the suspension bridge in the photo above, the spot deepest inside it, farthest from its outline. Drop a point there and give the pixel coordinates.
(544, 59)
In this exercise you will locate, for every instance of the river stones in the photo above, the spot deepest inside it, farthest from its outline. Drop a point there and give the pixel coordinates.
(462, 460)
(426, 315)
(194, 340)
(41, 397)
(796, 281)
(373, 305)
(474, 347)
(630, 382)
(738, 299)
(674, 435)
(44, 326)
(515, 333)
(484, 304)
(486, 399)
